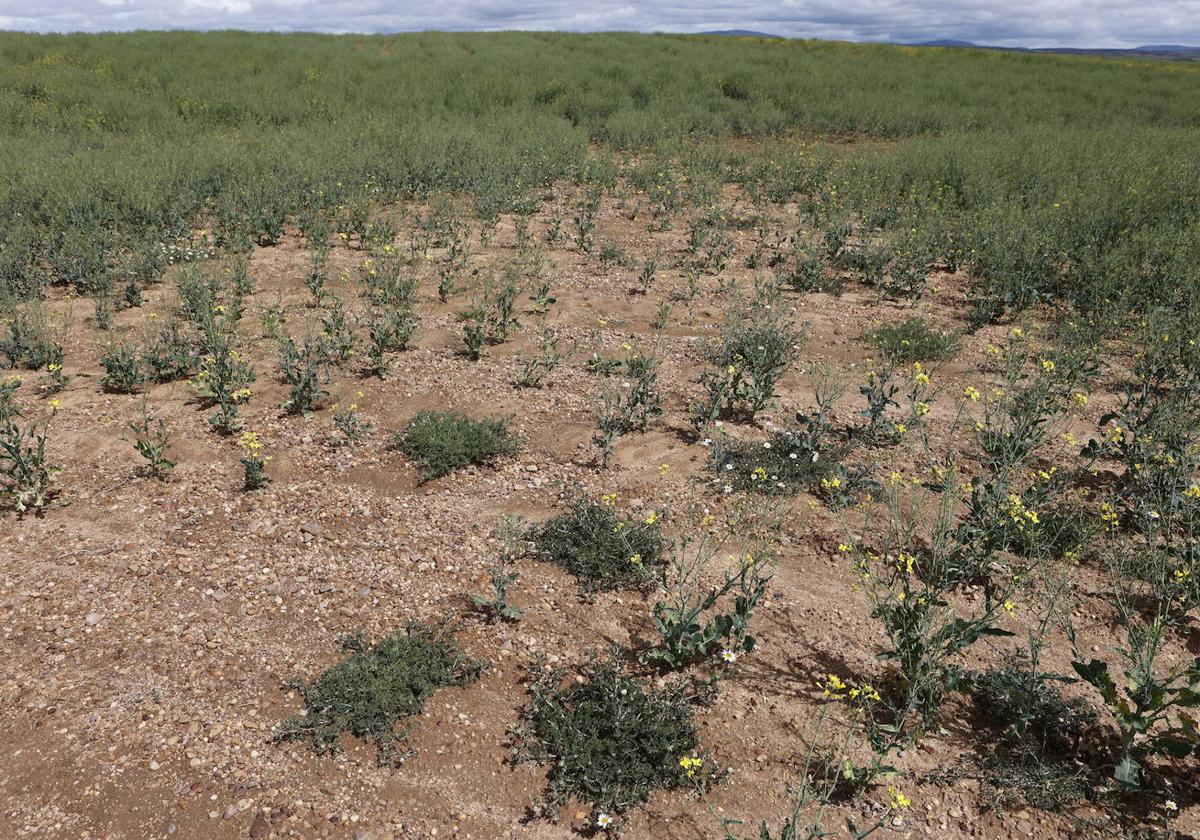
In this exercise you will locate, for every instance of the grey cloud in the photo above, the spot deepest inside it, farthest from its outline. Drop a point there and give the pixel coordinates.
(1094, 23)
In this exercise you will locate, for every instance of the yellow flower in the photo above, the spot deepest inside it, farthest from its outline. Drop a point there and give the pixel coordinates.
(1079, 399)
(895, 479)
(608, 499)
(921, 409)
(971, 393)
(865, 692)
(251, 443)
(636, 559)
(55, 405)
(899, 800)
(1010, 608)
(652, 518)
(834, 688)
(1108, 515)
(843, 547)
(1192, 492)
(1017, 332)
(691, 764)
(664, 469)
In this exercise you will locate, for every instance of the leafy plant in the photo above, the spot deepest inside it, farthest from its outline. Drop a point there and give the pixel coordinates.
(377, 687)
(510, 535)
(609, 740)
(123, 372)
(302, 367)
(151, 440)
(912, 340)
(27, 476)
(443, 441)
(749, 361)
(254, 463)
(691, 618)
(600, 547)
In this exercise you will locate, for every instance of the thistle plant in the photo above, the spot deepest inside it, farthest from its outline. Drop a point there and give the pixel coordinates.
(534, 370)
(630, 407)
(749, 361)
(584, 221)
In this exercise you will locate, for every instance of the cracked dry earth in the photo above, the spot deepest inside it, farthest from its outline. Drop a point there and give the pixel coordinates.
(150, 627)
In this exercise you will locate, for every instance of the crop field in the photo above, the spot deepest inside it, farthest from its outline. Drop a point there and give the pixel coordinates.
(543, 436)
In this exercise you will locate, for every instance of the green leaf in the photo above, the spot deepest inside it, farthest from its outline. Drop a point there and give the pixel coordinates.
(1127, 773)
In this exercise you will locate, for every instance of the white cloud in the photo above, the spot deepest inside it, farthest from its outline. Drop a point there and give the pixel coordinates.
(1095, 23)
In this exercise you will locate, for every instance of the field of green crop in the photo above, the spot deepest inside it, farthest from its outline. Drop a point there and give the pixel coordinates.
(1045, 177)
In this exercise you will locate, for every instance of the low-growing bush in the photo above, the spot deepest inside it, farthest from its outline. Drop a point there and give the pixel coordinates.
(610, 740)
(443, 441)
(601, 548)
(376, 687)
(786, 463)
(913, 340)
(123, 372)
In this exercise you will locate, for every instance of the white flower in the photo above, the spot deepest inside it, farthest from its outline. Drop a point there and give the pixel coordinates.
(729, 466)
(707, 442)
(729, 656)
(766, 444)
(728, 488)
(792, 456)
(1170, 805)
(603, 821)
(816, 455)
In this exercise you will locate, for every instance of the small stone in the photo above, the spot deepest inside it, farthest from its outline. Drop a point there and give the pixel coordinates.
(92, 619)
(260, 829)
(231, 811)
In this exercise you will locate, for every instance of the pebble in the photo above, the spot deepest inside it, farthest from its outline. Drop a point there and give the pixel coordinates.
(92, 619)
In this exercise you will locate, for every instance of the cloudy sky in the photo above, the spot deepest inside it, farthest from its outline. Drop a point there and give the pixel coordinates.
(1034, 23)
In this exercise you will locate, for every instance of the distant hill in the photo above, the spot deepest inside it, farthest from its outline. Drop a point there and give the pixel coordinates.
(743, 33)
(946, 42)
(1172, 52)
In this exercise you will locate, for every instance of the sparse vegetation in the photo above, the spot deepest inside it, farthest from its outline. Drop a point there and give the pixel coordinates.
(913, 374)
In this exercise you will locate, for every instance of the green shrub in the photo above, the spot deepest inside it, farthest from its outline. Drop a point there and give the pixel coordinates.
(601, 548)
(610, 741)
(913, 340)
(443, 441)
(786, 463)
(123, 372)
(376, 687)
